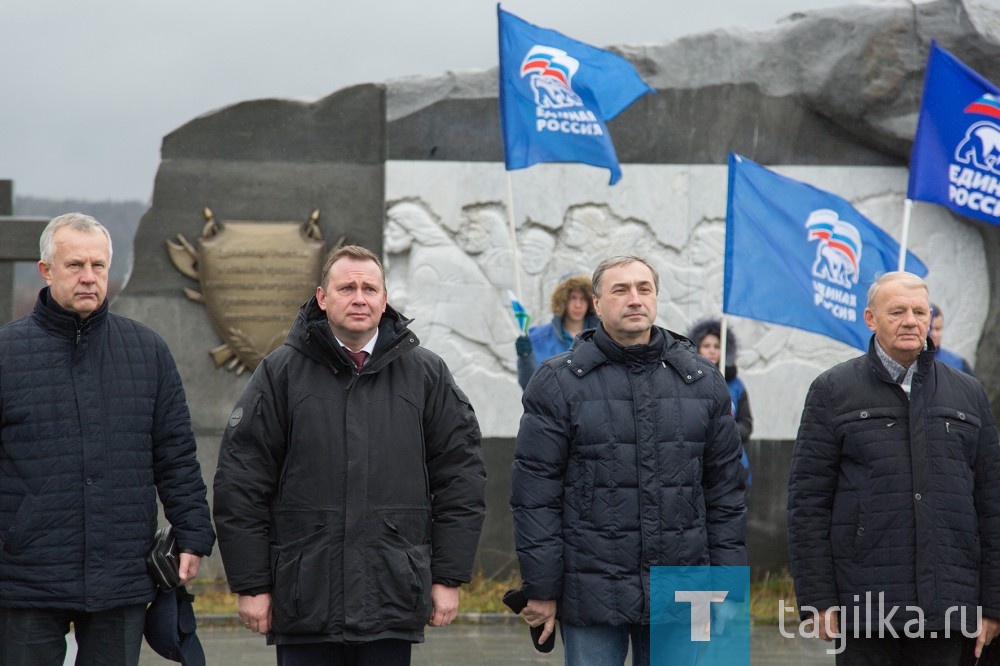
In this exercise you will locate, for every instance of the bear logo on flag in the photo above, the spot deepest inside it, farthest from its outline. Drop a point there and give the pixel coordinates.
(838, 255)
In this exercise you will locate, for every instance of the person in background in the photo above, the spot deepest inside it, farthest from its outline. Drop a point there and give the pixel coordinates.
(350, 490)
(572, 312)
(93, 426)
(627, 458)
(944, 355)
(706, 335)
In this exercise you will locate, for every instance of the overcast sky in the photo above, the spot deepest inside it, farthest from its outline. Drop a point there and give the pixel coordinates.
(89, 88)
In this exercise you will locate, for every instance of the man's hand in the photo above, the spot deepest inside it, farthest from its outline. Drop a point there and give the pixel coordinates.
(541, 612)
(445, 601)
(828, 623)
(255, 612)
(989, 631)
(188, 566)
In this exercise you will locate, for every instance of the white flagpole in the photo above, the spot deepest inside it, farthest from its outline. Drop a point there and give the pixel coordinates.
(907, 207)
(513, 239)
(722, 343)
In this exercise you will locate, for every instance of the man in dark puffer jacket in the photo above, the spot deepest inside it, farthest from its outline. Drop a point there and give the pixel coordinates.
(894, 495)
(627, 457)
(93, 423)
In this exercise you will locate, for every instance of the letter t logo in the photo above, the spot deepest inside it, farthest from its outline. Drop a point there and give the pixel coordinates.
(701, 610)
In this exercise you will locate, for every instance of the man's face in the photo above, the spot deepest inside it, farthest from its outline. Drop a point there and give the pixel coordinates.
(900, 317)
(627, 304)
(354, 299)
(937, 330)
(78, 274)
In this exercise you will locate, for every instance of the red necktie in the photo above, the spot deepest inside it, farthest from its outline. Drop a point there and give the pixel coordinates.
(358, 357)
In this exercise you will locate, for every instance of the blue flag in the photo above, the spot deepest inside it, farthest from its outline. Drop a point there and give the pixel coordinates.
(956, 153)
(801, 257)
(556, 94)
(521, 315)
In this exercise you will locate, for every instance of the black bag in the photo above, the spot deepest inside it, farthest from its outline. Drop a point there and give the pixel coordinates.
(516, 601)
(163, 559)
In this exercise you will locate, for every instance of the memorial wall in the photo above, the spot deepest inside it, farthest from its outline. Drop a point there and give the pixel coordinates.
(413, 170)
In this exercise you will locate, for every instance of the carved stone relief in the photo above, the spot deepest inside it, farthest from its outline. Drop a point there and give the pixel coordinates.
(449, 266)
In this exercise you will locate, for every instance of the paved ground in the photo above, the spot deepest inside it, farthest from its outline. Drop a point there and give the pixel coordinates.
(479, 645)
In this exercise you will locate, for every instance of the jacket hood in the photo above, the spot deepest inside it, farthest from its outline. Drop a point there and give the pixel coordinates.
(311, 335)
(703, 327)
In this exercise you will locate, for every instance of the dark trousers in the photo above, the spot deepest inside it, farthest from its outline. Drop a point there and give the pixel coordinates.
(902, 651)
(37, 636)
(386, 652)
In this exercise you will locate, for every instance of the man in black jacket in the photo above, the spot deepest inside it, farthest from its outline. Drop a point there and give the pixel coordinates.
(93, 424)
(894, 496)
(349, 495)
(627, 457)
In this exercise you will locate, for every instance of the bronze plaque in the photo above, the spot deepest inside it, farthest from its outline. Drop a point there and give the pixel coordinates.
(254, 277)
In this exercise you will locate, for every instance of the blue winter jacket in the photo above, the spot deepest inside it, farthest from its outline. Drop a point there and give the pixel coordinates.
(547, 340)
(626, 458)
(953, 360)
(93, 422)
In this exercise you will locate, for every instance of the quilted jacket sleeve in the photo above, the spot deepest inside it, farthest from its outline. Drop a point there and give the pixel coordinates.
(176, 471)
(537, 486)
(987, 501)
(811, 487)
(725, 493)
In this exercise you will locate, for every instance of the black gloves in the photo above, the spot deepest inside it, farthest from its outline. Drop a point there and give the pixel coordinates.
(523, 345)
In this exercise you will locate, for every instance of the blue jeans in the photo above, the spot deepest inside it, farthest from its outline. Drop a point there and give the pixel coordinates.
(37, 636)
(604, 645)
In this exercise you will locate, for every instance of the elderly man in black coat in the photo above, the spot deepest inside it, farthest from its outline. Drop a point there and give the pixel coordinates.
(894, 496)
(93, 425)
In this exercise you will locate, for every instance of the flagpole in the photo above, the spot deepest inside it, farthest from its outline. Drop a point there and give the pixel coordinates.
(907, 207)
(513, 238)
(722, 344)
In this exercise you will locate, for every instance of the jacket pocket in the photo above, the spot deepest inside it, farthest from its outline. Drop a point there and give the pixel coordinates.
(301, 588)
(404, 584)
(582, 484)
(15, 533)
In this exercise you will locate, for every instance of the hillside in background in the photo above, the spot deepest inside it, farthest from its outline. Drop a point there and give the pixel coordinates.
(120, 217)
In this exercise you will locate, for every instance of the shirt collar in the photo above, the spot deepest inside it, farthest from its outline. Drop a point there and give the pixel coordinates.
(369, 346)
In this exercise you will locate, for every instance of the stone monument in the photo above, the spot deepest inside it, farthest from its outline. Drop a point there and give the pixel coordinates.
(413, 169)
